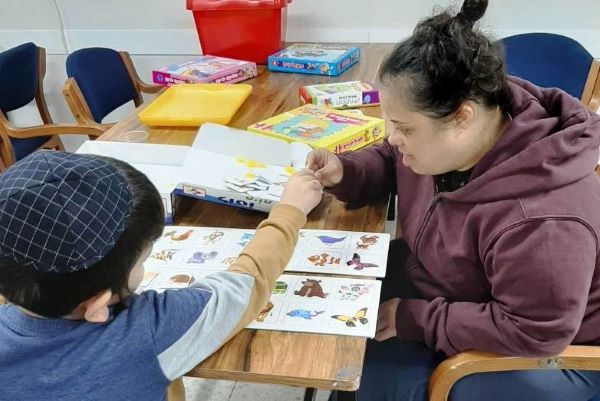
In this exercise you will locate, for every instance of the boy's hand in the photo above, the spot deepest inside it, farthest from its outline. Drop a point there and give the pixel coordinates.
(303, 191)
(327, 167)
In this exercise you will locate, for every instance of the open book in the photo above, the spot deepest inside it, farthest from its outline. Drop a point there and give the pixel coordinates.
(307, 302)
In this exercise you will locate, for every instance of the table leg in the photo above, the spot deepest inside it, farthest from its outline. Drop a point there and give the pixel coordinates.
(310, 394)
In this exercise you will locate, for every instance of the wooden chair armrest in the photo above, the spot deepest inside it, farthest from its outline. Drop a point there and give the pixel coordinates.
(458, 366)
(141, 85)
(76, 102)
(594, 102)
(591, 91)
(93, 130)
(147, 88)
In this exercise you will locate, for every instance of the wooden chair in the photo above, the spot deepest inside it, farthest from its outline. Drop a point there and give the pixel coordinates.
(22, 71)
(101, 80)
(453, 369)
(551, 60)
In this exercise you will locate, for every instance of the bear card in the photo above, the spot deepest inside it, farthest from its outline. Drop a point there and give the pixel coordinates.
(320, 304)
(317, 251)
(313, 304)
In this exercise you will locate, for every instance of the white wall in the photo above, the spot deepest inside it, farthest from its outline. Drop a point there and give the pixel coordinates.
(158, 32)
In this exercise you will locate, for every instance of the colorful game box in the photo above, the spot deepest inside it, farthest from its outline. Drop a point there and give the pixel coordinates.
(340, 95)
(205, 69)
(314, 58)
(322, 127)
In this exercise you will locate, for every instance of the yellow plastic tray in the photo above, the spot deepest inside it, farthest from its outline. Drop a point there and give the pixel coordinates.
(195, 104)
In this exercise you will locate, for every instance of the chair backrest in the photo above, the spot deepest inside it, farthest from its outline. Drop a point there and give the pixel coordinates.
(548, 60)
(102, 78)
(18, 76)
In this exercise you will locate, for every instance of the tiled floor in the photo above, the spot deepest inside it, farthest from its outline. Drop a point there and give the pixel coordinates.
(219, 390)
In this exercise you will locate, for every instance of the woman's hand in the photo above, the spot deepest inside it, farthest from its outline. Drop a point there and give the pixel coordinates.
(386, 320)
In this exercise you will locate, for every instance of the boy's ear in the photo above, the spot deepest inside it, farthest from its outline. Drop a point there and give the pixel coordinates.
(95, 309)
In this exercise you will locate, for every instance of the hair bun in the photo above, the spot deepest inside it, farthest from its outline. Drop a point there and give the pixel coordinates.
(472, 10)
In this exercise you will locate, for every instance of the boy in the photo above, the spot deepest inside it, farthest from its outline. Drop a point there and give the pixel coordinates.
(74, 232)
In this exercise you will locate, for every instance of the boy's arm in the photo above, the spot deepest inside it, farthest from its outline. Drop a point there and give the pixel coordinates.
(190, 324)
(265, 257)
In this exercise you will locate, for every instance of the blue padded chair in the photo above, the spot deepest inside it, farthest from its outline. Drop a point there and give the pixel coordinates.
(22, 71)
(551, 60)
(100, 81)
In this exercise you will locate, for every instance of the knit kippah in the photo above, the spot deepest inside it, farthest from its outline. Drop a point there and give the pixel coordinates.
(61, 212)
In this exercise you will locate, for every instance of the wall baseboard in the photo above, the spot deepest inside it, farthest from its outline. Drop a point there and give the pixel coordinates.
(51, 40)
(137, 41)
(185, 41)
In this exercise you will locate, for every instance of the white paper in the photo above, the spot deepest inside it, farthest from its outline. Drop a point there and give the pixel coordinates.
(317, 251)
(234, 142)
(299, 153)
(306, 302)
(339, 306)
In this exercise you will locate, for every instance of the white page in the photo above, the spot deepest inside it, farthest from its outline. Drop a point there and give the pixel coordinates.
(316, 252)
(341, 306)
(299, 153)
(239, 143)
(183, 252)
(137, 153)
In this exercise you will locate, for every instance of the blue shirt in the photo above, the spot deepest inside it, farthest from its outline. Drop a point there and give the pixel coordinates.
(133, 356)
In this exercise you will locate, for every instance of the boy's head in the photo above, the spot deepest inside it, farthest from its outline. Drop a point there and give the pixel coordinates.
(72, 228)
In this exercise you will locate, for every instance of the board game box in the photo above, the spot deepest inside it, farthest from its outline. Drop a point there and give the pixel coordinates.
(314, 58)
(322, 127)
(340, 95)
(205, 69)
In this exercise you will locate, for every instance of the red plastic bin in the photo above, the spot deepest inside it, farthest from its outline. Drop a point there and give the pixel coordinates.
(242, 29)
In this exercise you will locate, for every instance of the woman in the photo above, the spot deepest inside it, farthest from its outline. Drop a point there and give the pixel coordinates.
(498, 209)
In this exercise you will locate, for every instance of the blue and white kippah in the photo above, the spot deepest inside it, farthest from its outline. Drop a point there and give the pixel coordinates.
(61, 212)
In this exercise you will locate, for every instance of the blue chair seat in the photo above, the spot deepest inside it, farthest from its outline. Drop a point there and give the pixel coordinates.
(548, 60)
(24, 147)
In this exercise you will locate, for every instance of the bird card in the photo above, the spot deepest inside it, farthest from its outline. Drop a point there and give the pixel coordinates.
(317, 251)
(333, 303)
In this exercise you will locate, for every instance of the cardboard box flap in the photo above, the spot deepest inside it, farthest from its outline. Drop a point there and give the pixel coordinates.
(138, 153)
(234, 142)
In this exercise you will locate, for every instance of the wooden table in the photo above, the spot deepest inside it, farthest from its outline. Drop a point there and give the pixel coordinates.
(297, 359)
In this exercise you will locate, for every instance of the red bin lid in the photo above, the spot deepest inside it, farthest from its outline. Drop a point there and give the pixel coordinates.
(205, 5)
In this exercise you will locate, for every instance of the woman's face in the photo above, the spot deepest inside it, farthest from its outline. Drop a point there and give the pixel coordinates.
(427, 146)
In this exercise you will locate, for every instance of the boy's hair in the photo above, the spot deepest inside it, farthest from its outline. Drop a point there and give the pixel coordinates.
(446, 62)
(54, 294)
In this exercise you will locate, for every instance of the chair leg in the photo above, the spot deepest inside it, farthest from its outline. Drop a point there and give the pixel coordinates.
(310, 394)
(391, 212)
(343, 396)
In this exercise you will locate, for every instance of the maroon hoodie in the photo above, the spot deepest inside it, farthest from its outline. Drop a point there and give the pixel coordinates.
(507, 263)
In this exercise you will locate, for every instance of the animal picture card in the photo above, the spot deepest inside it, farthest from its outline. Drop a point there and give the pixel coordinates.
(317, 251)
(321, 305)
(316, 304)
(164, 278)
